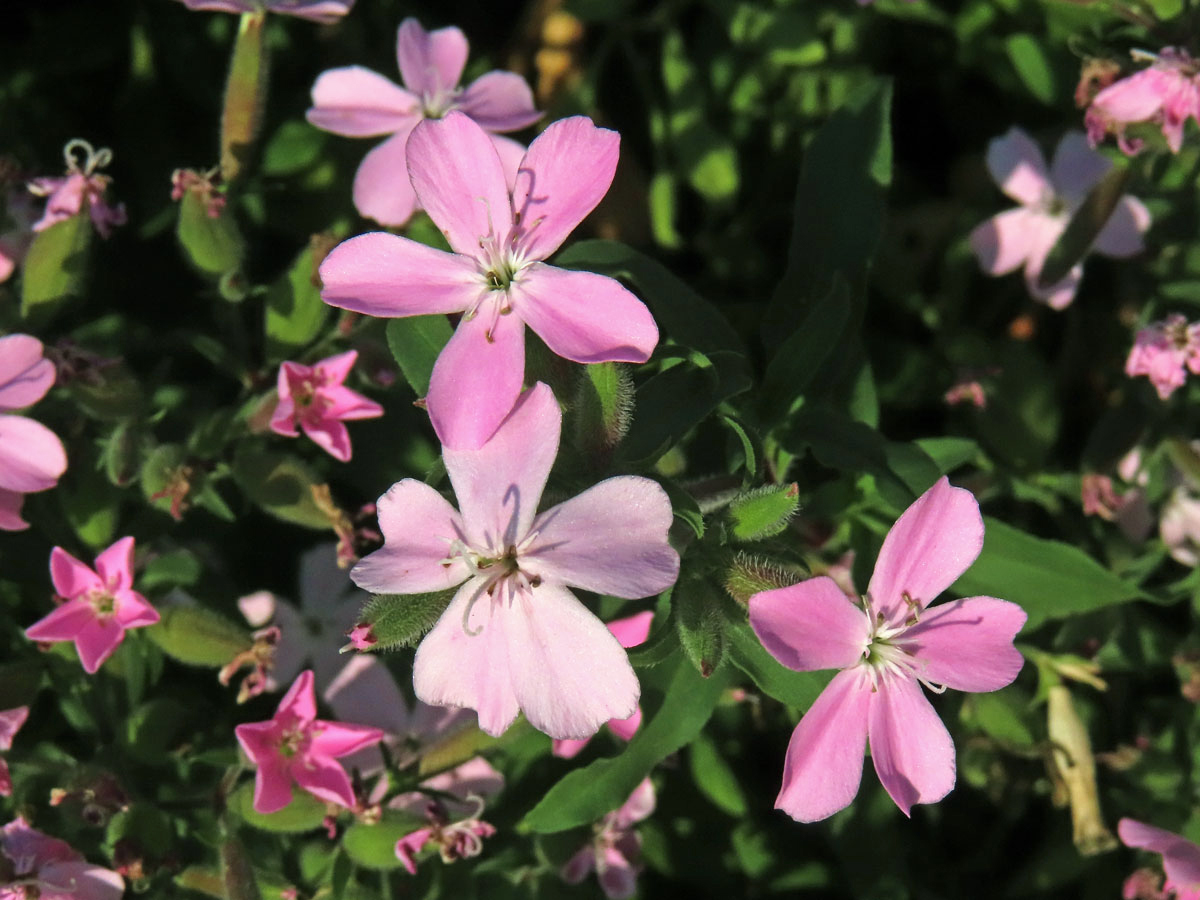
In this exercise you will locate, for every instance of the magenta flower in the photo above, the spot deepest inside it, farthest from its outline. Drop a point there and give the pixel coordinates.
(1167, 94)
(11, 721)
(356, 102)
(315, 398)
(294, 745)
(81, 186)
(887, 648)
(324, 11)
(496, 276)
(514, 638)
(31, 455)
(100, 605)
(1180, 857)
(1025, 236)
(630, 631)
(615, 847)
(49, 869)
(1165, 352)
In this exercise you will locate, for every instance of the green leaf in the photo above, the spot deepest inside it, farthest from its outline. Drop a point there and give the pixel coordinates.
(1048, 579)
(145, 825)
(153, 727)
(714, 777)
(1029, 59)
(304, 813)
(415, 342)
(401, 620)
(281, 484)
(798, 689)
(55, 267)
(214, 245)
(295, 313)
(584, 795)
(763, 512)
(374, 846)
(198, 636)
(1087, 223)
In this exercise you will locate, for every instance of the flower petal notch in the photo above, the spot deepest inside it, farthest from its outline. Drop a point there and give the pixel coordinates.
(514, 638)
(496, 276)
(887, 648)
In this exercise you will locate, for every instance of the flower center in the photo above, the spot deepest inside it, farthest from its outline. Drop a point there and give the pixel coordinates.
(499, 572)
(103, 603)
(293, 741)
(437, 103)
(886, 655)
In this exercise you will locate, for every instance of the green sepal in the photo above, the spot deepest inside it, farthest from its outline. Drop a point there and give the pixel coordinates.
(763, 512)
(401, 620)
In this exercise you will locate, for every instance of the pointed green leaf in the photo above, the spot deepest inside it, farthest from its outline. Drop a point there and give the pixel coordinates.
(214, 245)
(401, 620)
(198, 636)
(281, 484)
(415, 342)
(55, 267)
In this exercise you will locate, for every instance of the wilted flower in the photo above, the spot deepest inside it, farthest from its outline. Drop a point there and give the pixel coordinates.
(31, 455)
(82, 186)
(49, 869)
(1025, 236)
(323, 11)
(315, 398)
(615, 847)
(356, 102)
(1167, 94)
(461, 839)
(1165, 352)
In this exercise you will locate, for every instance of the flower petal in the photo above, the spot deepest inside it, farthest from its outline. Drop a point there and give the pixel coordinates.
(115, 565)
(11, 721)
(79, 881)
(32, 457)
(356, 102)
(611, 539)
(134, 611)
(1018, 167)
(10, 511)
(498, 486)
(1076, 168)
(97, 640)
(459, 181)
(811, 625)
(1003, 243)
(477, 379)
(382, 189)
(911, 748)
(331, 436)
(931, 544)
(499, 101)
(431, 62)
(1181, 857)
(418, 526)
(272, 786)
(382, 274)
(324, 12)
(454, 668)
(511, 153)
(625, 729)
(569, 674)
(363, 691)
(334, 739)
(632, 630)
(968, 644)
(25, 375)
(584, 317)
(71, 578)
(300, 702)
(1122, 234)
(567, 171)
(825, 755)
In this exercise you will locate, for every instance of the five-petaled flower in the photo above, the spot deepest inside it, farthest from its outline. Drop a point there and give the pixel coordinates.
(615, 848)
(325, 12)
(1180, 857)
(356, 102)
(82, 186)
(31, 455)
(49, 869)
(100, 605)
(1025, 236)
(294, 745)
(514, 638)
(495, 277)
(1167, 94)
(315, 398)
(887, 648)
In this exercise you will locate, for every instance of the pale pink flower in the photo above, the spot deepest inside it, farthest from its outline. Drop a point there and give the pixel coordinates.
(1179, 527)
(356, 102)
(615, 848)
(1025, 236)
(49, 869)
(315, 398)
(82, 186)
(887, 648)
(1180, 857)
(11, 721)
(496, 276)
(630, 631)
(32, 457)
(100, 605)
(1165, 352)
(514, 638)
(325, 12)
(1167, 94)
(294, 745)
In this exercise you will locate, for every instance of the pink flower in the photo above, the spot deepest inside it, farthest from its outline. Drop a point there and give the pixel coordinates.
(11, 721)
(314, 398)
(1165, 352)
(81, 186)
(514, 638)
(455, 840)
(100, 605)
(887, 648)
(1167, 94)
(324, 11)
(1025, 236)
(356, 102)
(294, 745)
(630, 631)
(1180, 857)
(31, 455)
(615, 847)
(50, 869)
(1179, 527)
(496, 276)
